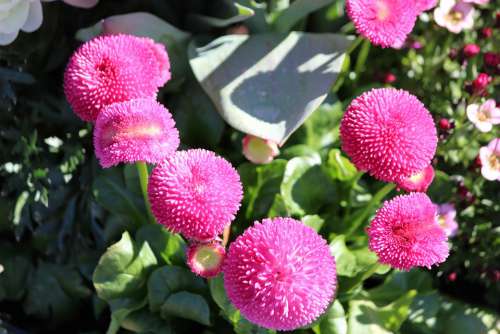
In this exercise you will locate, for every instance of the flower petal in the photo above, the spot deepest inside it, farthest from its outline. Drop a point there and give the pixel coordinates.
(35, 17)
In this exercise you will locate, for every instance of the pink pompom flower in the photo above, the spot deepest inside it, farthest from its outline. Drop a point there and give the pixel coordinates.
(404, 233)
(205, 259)
(446, 215)
(109, 69)
(419, 181)
(383, 22)
(135, 130)
(389, 133)
(195, 193)
(280, 274)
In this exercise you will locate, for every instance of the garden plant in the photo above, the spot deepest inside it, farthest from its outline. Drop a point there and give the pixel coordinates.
(250, 167)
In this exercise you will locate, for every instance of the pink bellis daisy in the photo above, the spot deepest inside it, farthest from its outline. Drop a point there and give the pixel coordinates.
(446, 215)
(490, 160)
(383, 22)
(389, 133)
(109, 69)
(195, 193)
(423, 5)
(135, 130)
(280, 274)
(205, 259)
(405, 234)
(419, 181)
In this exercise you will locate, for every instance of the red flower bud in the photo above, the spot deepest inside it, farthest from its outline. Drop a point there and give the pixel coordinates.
(452, 277)
(445, 124)
(486, 32)
(480, 84)
(471, 50)
(389, 78)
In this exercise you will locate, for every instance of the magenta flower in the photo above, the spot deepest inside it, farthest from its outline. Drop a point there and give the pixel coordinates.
(446, 215)
(258, 150)
(419, 181)
(480, 84)
(490, 160)
(113, 69)
(389, 133)
(205, 259)
(136, 130)
(404, 233)
(471, 50)
(196, 193)
(280, 274)
(383, 22)
(423, 5)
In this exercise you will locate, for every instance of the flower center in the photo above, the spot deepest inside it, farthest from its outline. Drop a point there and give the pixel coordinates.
(207, 258)
(105, 68)
(494, 161)
(455, 16)
(483, 115)
(417, 177)
(441, 221)
(382, 10)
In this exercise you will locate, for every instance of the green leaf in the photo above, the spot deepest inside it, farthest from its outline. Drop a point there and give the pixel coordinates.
(120, 310)
(54, 292)
(366, 317)
(339, 167)
(111, 194)
(298, 10)
(299, 188)
(167, 280)
(143, 321)
(313, 221)
(14, 275)
(345, 260)
(241, 13)
(165, 245)
(123, 269)
(245, 75)
(334, 321)
(262, 184)
(187, 305)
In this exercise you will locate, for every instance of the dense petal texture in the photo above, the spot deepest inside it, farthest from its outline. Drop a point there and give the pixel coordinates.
(280, 274)
(195, 193)
(205, 259)
(136, 130)
(113, 69)
(405, 233)
(383, 22)
(419, 181)
(389, 133)
(423, 5)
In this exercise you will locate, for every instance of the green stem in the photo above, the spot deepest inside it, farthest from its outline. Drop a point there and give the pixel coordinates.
(354, 45)
(359, 219)
(142, 169)
(362, 57)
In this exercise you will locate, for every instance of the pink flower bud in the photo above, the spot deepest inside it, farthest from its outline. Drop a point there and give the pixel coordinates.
(206, 259)
(258, 150)
(480, 84)
(419, 182)
(471, 50)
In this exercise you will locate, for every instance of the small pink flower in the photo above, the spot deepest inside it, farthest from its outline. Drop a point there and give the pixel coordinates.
(405, 234)
(478, 2)
(195, 193)
(490, 160)
(445, 218)
(454, 16)
(258, 150)
(280, 274)
(205, 259)
(471, 50)
(389, 133)
(419, 182)
(484, 116)
(383, 22)
(136, 130)
(109, 69)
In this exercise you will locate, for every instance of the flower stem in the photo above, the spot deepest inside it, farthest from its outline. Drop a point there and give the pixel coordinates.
(225, 235)
(361, 217)
(142, 169)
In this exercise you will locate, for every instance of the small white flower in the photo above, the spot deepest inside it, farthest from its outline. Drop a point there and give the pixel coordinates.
(454, 16)
(484, 116)
(490, 160)
(258, 150)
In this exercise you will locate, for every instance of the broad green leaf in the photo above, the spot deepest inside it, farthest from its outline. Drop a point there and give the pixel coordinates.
(262, 184)
(298, 10)
(366, 317)
(187, 305)
(246, 75)
(299, 188)
(123, 269)
(339, 167)
(112, 195)
(345, 260)
(399, 283)
(54, 292)
(334, 321)
(121, 308)
(313, 221)
(167, 280)
(165, 245)
(143, 321)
